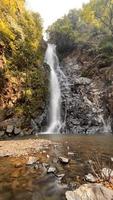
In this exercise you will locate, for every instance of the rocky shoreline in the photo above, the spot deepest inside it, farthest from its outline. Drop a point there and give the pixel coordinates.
(38, 156)
(16, 148)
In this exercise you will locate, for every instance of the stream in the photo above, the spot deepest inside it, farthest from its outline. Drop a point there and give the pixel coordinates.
(21, 182)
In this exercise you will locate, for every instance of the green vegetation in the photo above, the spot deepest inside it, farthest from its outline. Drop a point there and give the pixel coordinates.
(21, 73)
(90, 26)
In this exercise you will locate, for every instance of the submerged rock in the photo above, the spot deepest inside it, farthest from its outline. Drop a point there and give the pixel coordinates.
(60, 176)
(90, 192)
(90, 178)
(51, 170)
(64, 160)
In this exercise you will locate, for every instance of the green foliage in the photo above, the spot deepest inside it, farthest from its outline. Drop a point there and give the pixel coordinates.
(21, 35)
(106, 46)
(93, 25)
(20, 31)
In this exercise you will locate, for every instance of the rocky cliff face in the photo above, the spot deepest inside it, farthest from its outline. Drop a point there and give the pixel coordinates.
(85, 103)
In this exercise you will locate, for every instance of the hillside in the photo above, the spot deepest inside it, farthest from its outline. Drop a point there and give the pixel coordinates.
(23, 84)
(85, 38)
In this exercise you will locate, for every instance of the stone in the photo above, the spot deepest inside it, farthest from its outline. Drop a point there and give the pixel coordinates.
(90, 178)
(10, 129)
(30, 131)
(60, 176)
(36, 166)
(90, 162)
(51, 170)
(83, 99)
(64, 160)
(21, 133)
(17, 131)
(2, 133)
(90, 192)
(32, 160)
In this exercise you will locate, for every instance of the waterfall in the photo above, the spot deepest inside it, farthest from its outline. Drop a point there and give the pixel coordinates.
(55, 93)
(106, 124)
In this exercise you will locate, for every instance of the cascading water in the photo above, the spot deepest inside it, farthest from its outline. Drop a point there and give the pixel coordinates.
(61, 98)
(55, 93)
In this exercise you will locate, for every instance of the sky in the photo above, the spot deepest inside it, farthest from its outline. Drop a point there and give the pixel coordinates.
(51, 10)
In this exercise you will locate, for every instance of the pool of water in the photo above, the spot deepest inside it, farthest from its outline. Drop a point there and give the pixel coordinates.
(21, 182)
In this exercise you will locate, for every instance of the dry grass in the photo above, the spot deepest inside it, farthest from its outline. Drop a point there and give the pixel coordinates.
(101, 167)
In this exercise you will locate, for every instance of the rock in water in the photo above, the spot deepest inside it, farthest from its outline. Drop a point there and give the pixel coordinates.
(90, 192)
(31, 160)
(64, 160)
(51, 170)
(60, 176)
(90, 178)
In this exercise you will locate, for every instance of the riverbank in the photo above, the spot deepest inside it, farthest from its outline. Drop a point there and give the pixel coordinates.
(33, 168)
(17, 148)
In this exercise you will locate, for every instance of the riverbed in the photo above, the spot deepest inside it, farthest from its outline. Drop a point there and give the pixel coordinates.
(19, 181)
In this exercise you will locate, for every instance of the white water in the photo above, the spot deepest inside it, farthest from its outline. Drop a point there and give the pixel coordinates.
(56, 77)
(55, 93)
(106, 124)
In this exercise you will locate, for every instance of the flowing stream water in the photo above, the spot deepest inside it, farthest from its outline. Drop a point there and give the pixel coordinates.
(19, 181)
(55, 93)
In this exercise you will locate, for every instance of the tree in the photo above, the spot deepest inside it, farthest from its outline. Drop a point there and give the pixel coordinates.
(99, 13)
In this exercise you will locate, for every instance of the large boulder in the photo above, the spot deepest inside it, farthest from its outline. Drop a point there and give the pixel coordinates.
(90, 192)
